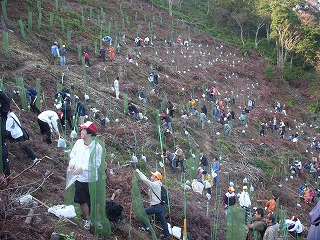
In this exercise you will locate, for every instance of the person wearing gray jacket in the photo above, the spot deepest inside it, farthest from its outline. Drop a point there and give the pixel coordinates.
(156, 208)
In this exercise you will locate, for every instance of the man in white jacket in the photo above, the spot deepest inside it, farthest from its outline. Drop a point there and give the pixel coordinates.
(48, 120)
(13, 126)
(85, 159)
(244, 198)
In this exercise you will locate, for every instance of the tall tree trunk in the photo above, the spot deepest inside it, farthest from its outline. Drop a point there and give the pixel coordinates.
(170, 7)
(268, 31)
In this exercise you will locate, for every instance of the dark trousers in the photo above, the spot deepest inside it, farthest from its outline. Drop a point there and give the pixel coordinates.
(45, 130)
(181, 162)
(25, 147)
(158, 211)
(63, 122)
(87, 61)
(34, 108)
(5, 160)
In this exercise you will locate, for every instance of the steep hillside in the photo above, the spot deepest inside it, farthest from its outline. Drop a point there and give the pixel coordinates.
(185, 72)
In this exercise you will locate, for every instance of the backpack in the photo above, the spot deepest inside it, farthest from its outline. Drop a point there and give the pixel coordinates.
(114, 211)
(164, 195)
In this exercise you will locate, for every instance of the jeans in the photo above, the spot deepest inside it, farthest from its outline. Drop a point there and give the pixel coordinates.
(173, 166)
(158, 210)
(144, 100)
(181, 164)
(215, 117)
(216, 180)
(168, 125)
(62, 61)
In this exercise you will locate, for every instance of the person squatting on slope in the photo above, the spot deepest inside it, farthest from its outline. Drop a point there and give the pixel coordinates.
(48, 120)
(85, 159)
(295, 228)
(180, 157)
(107, 40)
(170, 159)
(31, 95)
(156, 207)
(97, 114)
(13, 127)
(133, 111)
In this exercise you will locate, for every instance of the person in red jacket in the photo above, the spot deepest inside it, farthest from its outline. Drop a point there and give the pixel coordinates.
(86, 59)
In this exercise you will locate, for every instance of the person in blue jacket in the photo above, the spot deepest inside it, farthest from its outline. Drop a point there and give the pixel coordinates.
(107, 39)
(215, 168)
(55, 51)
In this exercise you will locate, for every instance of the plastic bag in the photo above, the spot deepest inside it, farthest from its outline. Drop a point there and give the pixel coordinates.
(63, 211)
(62, 143)
(70, 178)
(73, 134)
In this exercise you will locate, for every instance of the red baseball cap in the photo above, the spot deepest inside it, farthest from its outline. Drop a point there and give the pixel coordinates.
(89, 125)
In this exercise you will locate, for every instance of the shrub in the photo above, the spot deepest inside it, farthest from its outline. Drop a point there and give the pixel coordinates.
(269, 73)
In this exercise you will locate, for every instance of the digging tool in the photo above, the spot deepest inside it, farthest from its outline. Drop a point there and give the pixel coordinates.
(15, 104)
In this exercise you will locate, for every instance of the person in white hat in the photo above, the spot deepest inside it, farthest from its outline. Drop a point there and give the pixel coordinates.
(244, 198)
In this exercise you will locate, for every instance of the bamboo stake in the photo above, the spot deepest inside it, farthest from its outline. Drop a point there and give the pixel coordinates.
(15, 104)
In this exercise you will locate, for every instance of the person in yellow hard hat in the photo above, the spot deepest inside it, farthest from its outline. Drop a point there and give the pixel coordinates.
(156, 208)
(229, 200)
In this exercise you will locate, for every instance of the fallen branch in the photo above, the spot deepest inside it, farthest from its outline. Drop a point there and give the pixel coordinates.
(29, 217)
(28, 168)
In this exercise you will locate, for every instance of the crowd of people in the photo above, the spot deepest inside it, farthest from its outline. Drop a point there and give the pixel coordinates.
(264, 222)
